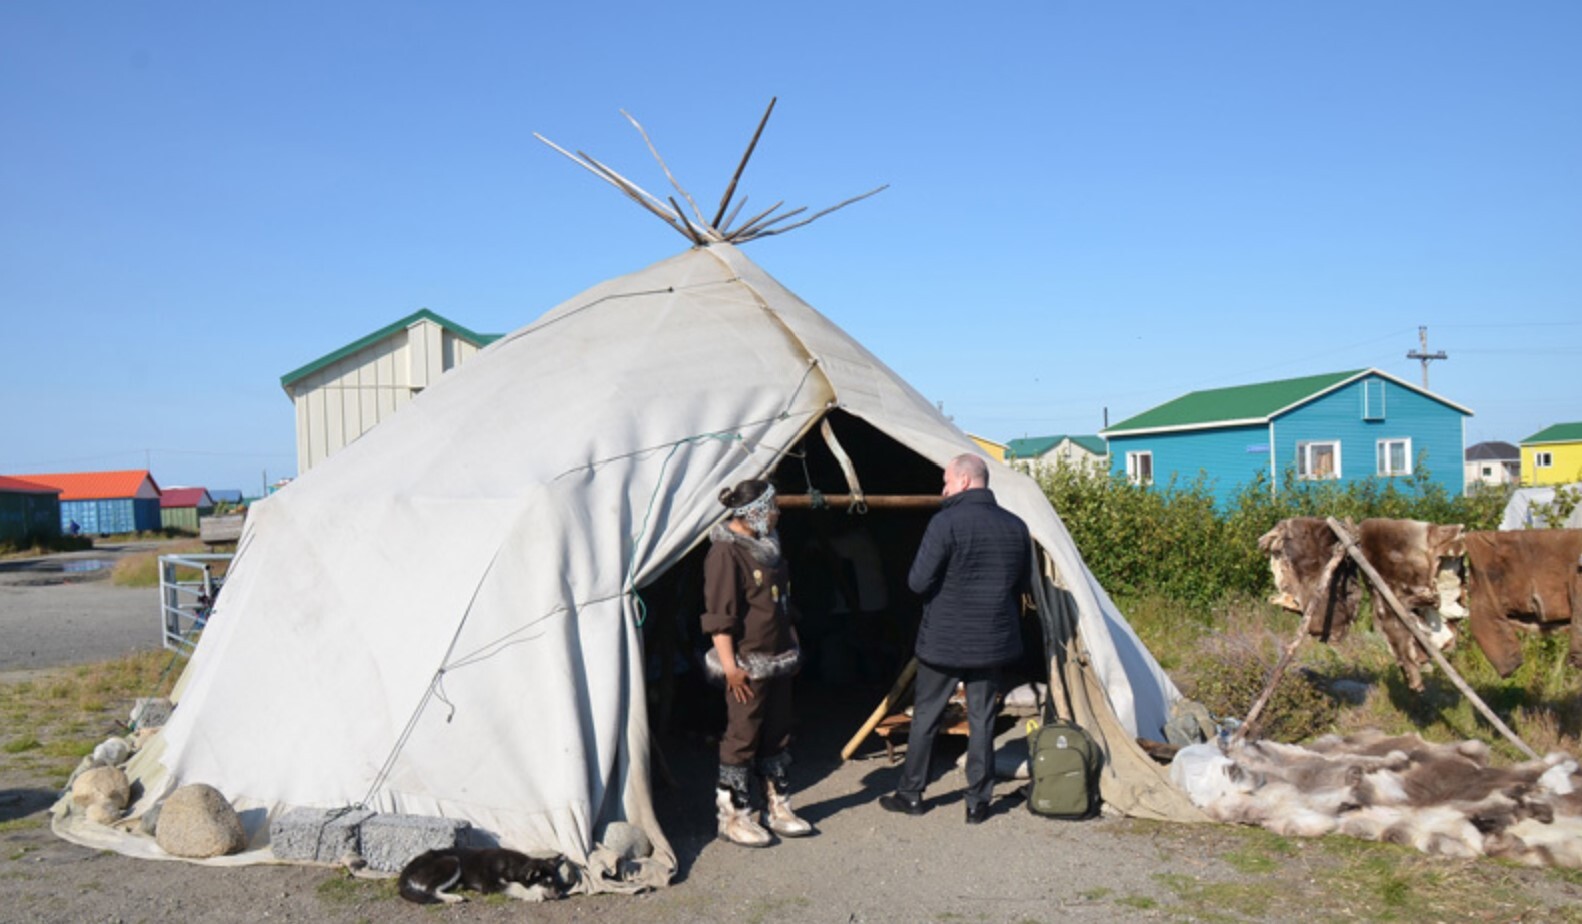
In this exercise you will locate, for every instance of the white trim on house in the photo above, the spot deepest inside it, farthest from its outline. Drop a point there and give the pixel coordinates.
(1212, 425)
(1134, 458)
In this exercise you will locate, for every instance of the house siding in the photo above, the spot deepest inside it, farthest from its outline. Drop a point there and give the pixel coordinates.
(1567, 467)
(103, 517)
(341, 401)
(1228, 457)
(1434, 429)
(26, 517)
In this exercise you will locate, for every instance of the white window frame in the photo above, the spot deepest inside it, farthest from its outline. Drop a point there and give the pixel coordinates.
(1383, 456)
(1304, 459)
(1134, 466)
(1543, 459)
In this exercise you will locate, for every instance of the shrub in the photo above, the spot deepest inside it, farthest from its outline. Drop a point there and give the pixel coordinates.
(1228, 670)
(1177, 541)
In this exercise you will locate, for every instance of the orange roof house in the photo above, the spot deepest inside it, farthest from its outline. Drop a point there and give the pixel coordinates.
(105, 502)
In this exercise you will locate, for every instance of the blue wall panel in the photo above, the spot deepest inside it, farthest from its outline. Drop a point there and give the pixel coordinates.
(1228, 457)
(1434, 429)
(103, 517)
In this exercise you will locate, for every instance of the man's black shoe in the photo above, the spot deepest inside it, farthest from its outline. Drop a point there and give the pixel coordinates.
(899, 803)
(976, 814)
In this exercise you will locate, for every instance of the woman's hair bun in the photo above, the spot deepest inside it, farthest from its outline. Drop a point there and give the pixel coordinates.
(745, 492)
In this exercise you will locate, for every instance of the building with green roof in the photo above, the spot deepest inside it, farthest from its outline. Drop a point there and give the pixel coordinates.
(1061, 449)
(1553, 455)
(1343, 426)
(346, 392)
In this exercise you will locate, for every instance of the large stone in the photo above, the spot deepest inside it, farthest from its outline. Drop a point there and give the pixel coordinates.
(151, 712)
(112, 752)
(103, 812)
(196, 821)
(317, 835)
(388, 842)
(101, 784)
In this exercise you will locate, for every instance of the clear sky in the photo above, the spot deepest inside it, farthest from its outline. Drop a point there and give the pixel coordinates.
(1092, 205)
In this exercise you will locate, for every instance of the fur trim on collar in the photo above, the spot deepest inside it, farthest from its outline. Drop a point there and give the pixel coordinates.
(765, 551)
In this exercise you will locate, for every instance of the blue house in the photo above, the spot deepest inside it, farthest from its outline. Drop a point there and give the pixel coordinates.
(1342, 426)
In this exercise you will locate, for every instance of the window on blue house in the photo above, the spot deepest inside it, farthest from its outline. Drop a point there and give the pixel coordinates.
(1318, 459)
(1395, 457)
(1140, 467)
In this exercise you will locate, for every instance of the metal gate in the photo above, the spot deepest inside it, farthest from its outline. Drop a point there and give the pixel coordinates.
(188, 588)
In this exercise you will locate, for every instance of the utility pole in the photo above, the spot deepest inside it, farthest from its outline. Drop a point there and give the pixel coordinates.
(1423, 354)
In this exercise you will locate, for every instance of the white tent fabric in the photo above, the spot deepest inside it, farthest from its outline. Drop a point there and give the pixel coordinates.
(439, 619)
(1519, 511)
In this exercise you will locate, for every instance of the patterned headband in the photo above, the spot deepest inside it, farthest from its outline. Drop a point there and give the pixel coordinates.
(759, 505)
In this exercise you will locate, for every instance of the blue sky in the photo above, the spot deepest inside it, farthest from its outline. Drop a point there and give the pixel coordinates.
(1091, 205)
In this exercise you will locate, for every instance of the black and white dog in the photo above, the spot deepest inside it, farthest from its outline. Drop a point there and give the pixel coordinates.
(430, 876)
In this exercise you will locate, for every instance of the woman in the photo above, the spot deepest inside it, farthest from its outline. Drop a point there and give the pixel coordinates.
(747, 612)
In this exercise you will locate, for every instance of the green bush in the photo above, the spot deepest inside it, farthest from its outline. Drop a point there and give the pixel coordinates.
(1176, 541)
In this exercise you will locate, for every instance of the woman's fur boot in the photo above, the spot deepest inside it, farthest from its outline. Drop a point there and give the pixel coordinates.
(735, 814)
(778, 814)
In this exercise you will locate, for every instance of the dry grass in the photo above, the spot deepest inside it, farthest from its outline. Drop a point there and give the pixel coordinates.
(142, 568)
(1541, 701)
(51, 721)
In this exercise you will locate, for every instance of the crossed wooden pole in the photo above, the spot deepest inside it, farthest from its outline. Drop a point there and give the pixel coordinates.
(1408, 619)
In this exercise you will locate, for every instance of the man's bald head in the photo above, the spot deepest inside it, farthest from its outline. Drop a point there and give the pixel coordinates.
(964, 472)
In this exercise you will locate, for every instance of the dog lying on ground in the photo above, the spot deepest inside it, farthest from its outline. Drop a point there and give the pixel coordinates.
(429, 878)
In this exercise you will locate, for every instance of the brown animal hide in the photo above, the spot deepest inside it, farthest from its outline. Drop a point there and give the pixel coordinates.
(1407, 554)
(1528, 578)
(1438, 798)
(1312, 575)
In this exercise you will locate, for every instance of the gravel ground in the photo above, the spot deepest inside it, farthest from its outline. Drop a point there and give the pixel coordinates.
(62, 609)
(863, 865)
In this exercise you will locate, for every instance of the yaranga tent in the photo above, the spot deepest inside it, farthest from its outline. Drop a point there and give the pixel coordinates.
(447, 617)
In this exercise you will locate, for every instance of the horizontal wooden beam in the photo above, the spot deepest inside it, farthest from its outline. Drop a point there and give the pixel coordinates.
(873, 501)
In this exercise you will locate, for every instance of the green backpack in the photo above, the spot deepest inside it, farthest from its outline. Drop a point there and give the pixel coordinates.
(1063, 761)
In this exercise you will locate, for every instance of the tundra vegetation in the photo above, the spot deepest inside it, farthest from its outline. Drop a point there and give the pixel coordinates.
(1189, 577)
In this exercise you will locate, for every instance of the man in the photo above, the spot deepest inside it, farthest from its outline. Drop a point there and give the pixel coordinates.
(971, 568)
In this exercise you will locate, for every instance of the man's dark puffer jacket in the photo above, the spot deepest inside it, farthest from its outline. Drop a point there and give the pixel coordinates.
(971, 569)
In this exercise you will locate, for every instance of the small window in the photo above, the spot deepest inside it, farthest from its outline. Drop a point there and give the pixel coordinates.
(1372, 400)
(1318, 460)
(1140, 467)
(1543, 460)
(1488, 471)
(1395, 457)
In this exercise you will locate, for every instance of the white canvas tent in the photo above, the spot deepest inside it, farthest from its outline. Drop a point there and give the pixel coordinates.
(441, 619)
(1533, 508)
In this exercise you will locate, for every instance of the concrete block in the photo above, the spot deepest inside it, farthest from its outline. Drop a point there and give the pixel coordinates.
(317, 835)
(389, 841)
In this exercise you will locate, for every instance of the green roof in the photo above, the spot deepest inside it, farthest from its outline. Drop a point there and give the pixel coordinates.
(1031, 447)
(478, 340)
(1559, 433)
(1239, 403)
(1092, 443)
